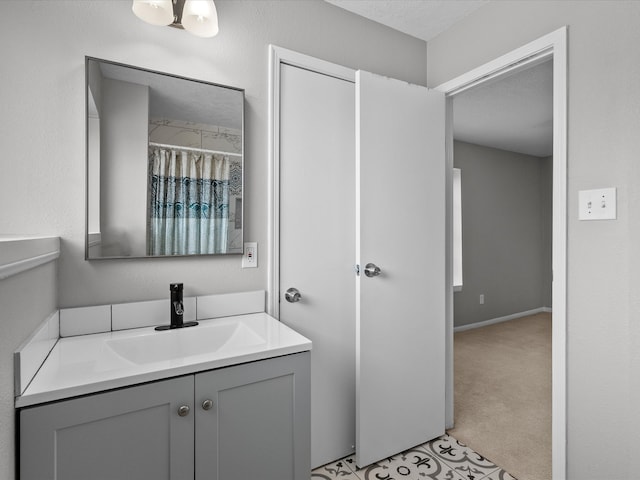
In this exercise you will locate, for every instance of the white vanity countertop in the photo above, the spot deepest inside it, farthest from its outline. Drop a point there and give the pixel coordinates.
(93, 363)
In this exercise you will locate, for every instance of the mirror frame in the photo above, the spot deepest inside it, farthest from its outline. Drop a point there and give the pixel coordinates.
(87, 148)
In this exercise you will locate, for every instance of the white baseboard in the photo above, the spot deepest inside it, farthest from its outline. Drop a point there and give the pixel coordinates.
(506, 318)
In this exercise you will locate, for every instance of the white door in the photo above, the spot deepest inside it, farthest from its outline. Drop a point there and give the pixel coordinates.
(400, 313)
(394, 216)
(317, 245)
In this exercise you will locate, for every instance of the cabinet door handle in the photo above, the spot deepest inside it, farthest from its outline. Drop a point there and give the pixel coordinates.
(207, 404)
(183, 411)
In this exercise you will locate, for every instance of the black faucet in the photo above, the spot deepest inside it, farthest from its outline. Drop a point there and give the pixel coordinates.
(177, 309)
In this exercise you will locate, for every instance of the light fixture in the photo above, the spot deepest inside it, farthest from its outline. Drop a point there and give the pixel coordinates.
(198, 17)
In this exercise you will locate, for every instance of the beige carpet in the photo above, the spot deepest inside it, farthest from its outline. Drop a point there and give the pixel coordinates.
(503, 394)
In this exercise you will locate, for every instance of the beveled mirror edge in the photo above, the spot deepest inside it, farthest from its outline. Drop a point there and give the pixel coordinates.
(87, 59)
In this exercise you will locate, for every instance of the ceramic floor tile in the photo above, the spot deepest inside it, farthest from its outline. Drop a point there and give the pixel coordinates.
(467, 463)
(499, 475)
(336, 470)
(413, 464)
(444, 458)
(350, 462)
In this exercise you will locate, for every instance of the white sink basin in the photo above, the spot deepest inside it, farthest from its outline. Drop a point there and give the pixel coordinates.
(205, 338)
(92, 363)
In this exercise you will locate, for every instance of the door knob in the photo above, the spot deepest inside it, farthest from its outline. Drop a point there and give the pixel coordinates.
(183, 411)
(371, 270)
(292, 295)
(207, 404)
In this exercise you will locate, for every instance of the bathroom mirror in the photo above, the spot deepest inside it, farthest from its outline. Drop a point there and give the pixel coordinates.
(164, 164)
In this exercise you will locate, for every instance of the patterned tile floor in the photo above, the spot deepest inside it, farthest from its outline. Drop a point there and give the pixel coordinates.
(443, 458)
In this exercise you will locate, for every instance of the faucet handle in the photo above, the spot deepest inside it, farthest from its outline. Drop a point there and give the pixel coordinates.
(179, 308)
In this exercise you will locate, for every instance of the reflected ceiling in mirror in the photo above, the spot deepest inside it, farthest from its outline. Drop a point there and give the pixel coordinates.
(164, 164)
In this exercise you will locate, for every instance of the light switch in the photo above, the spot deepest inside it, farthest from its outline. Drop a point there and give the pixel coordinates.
(250, 257)
(599, 204)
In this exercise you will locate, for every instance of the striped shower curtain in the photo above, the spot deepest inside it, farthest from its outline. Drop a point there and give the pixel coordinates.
(188, 202)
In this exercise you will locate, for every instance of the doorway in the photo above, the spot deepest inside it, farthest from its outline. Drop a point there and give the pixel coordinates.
(552, 46)
(503, 145)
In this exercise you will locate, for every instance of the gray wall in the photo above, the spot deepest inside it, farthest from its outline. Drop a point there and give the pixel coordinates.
(42, 133)
(603, 298)
(27, 299)
(42, 130)
(504, 249)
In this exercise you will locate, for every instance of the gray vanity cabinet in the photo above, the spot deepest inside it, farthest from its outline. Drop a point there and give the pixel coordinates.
(132, 433)
(259, 424)
(249, 421)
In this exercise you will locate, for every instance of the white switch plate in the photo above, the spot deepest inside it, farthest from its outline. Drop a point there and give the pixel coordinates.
(250, 257)
(599, 204)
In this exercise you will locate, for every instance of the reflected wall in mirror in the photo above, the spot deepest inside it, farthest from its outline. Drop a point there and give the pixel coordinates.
(164, 164)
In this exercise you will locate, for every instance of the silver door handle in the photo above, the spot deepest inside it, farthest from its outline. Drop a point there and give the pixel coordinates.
(292, 295)
(371, 270)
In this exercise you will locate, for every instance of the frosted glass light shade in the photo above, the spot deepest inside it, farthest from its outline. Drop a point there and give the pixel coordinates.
(155, 12)
(200, 18)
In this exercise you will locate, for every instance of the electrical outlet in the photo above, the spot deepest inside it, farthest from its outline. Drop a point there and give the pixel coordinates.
(482, 299)
(250, 257)
(597, 204)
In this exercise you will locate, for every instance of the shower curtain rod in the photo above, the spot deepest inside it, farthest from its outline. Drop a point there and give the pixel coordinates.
(191, 149)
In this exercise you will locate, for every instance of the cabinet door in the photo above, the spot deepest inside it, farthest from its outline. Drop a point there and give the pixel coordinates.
(133, 434)
(258, 425)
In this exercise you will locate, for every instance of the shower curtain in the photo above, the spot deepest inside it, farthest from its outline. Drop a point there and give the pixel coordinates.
(188, 202)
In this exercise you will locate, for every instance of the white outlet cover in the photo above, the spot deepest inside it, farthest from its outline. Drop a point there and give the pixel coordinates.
(598, 204)
(250, 257)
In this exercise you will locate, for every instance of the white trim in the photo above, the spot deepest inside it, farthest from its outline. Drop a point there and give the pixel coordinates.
(506, 318)
(456, 228)
(559, 261)
(278, 56)
(519, 59)
(448, 368)
(21, 253)
(552, 45)
(273, 213)
(9, 269)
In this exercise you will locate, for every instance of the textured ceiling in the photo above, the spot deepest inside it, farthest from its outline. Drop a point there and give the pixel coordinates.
(183, 99)
(514, 113)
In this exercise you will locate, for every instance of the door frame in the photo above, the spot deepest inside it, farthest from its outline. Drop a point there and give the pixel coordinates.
(278, 56)
(551, 46)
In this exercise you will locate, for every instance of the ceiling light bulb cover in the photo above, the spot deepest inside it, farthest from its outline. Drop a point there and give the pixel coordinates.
(155, 12)
(200, 18)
